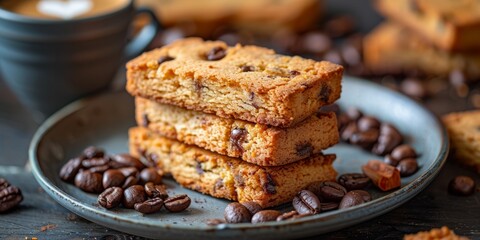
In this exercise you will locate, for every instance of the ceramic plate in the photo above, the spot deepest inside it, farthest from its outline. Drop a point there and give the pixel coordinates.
(104, 120)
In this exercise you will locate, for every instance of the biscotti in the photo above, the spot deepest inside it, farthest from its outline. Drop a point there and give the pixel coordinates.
(443, 233)
(230, 178)
(255, 143)
(241, 82)
(464, 133)
(391, 48)
(449, 24)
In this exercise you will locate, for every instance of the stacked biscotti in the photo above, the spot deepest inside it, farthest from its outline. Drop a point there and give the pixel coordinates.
(435, 37)
(239, 123)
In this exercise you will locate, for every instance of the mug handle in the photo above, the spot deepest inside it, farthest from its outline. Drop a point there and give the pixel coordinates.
(140, 42)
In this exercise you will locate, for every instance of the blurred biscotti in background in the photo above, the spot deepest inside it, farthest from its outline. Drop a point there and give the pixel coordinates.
(262, 17)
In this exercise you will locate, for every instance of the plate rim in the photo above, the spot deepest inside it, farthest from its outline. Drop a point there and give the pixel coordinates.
(416, 185)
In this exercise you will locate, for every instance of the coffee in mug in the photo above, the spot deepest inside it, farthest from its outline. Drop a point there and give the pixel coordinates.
(61, 9)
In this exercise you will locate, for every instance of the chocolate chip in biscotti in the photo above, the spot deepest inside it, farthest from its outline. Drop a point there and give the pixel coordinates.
(269, 184)
(216, 53)
(304, 150)
(237, 137)
(199, 169)
(294, 73)
(413, 6)
(324, 94)
(163, 59)
(145, 120)
(247, 68)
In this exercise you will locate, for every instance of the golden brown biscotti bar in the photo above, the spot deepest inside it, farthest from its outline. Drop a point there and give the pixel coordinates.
(464, 132)
(443, 233)
(449, 24)
(242, 82)
(252, 142)
(230, 178)
(203, 18)
(391, 48)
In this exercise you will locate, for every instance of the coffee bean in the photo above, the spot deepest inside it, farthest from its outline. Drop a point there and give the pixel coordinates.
(265, 216)
(253, 207)
(389, 138)
(331, 191)
(95, 162)
(10, 196)
(351, 199)
(353, 181)
(177, 203)
(305, 202)
(414, 88)
(89, 181)
(353, 113)
(113, 178)
(365, 139)
(403, 151)
(3, 183)
(132, 195)
(150, 206)
(154, 191)
(237, 213)
(215, 221)
(461, 185)
(342, 121)
(129, 171)
(349, 131)
(111, 197)
(216, 53)
(390, 160)
(237, 137)
(329, 206)
(287, 216)
(150, 175)
(99, 169)
(126, 160)
(130, 181)
(70, 169)
(93, 152)
(366, 123)
(366, 195)
(407, 167)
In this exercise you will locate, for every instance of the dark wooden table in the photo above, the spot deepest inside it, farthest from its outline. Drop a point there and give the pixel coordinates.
(40, 216)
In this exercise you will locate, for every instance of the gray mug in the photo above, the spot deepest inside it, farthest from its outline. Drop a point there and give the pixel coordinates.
(49, 63)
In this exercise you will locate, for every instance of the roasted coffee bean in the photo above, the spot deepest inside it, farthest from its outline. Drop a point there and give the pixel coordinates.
(349, 131)
(99, 169)
(353, 181)
(306, 202)
(414, 88)
(331, 191)
(237, 213)
(389, 138)
(177, 203)
(366, 123)
(353, 113)
(216, 53)
(130, 181)
(150, 175)
(89, 181)
(351, 199)
(150, 206)
(253, 207)
(10, 197)
(329, 206)
(403, 151)
(93, 152)
(365, 139)
(113, 178)
(462, 185)
(265, 216)
(366, 195)
(390, 160)
(287, 216)
(132, 195)
(342, 121)
(70, 169)
(215, 221)
(126, 160)
(3, 183)
(95, 162)
(129, 171)
(111, 197)
(154, 191)
(407, 167)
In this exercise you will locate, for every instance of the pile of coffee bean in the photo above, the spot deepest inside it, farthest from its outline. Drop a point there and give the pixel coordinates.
(10, 196)
(121, 179)
(316, 198)
(378, 137)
